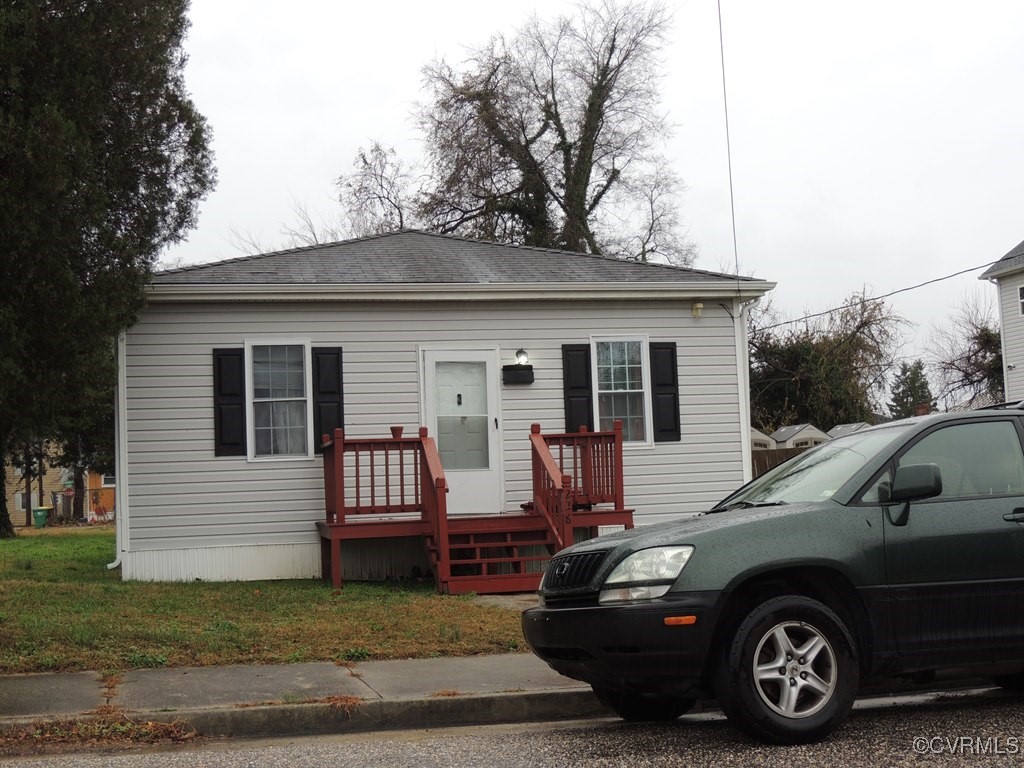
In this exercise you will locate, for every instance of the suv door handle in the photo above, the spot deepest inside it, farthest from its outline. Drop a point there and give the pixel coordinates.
(1017, 516)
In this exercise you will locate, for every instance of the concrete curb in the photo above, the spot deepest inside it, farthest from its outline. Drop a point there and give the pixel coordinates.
(379, 715)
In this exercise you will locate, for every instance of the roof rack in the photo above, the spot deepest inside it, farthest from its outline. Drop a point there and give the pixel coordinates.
(1016, 404)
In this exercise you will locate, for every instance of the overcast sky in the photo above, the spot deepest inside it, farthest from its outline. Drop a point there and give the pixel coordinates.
(875, 144)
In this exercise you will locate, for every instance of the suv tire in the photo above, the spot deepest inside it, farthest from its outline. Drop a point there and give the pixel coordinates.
(790, 673)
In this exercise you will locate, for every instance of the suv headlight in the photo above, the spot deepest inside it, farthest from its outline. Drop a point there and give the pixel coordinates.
(646, 574)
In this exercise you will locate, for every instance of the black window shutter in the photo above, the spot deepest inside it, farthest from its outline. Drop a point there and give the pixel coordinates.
(577, 385)
(229, 402)
(328, 393)
(665, 391)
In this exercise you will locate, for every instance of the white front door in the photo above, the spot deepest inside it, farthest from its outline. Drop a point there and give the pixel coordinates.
(461, 409)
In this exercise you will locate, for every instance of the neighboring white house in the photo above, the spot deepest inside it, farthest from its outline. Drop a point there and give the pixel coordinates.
(799, 436)
(759, 441)
(234, 369)
(1008, 275)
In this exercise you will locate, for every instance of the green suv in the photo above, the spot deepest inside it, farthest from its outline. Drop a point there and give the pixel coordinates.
(896, 550)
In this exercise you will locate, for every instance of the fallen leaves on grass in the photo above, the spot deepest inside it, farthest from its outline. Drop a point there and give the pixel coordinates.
(106, 728)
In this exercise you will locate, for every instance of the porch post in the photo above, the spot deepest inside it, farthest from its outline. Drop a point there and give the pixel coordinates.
(338, 460)
(620, 483)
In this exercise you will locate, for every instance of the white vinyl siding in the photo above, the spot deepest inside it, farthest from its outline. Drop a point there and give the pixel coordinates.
(1010, 290)
(182, 497)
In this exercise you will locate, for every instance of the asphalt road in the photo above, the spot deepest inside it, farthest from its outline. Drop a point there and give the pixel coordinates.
(979, 728)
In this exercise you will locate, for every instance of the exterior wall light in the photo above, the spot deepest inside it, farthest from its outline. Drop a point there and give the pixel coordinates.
(520, 372)
(697, 308)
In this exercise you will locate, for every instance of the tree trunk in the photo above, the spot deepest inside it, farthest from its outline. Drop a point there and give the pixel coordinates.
(6, 526)
(78, 506)
(42, 473)
(27, 501)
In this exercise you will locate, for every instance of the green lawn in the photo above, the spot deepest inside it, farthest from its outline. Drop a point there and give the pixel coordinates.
(61, 609)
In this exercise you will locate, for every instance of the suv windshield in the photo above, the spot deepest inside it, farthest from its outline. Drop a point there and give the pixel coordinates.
(816, 474)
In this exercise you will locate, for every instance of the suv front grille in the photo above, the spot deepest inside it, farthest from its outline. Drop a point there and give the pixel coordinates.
(571, 571)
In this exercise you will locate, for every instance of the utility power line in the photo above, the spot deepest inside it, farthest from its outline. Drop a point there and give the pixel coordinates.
(879, 298)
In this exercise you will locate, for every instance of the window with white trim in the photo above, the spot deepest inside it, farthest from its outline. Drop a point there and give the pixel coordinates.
(280, 404)
(1020, 299)
(623, 392)
(109, 480)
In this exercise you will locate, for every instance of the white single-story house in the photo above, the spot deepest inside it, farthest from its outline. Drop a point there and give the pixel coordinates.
(799, 436)
(235, 369)
(759, 441)
(1008, 275)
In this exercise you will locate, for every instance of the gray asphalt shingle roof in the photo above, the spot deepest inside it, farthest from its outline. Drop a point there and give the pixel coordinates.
(846, 429)
(1011, 261)
(413, 257)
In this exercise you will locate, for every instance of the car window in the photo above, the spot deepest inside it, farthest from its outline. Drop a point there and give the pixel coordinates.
(977, 459)
(817, 474)
(879, 490)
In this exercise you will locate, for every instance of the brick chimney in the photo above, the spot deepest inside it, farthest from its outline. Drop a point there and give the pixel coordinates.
(922, 409)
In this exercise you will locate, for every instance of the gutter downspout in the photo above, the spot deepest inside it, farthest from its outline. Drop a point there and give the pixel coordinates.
(743, 377)
(1008, 367)
(121, 454)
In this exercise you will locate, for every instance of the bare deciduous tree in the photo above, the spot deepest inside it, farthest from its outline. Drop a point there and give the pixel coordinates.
(537, 137)
(305, 231)
(646, 213)
(377, 196)
(308, 231)
(967, 356)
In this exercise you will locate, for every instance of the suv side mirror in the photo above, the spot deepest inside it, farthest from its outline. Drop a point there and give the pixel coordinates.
(911, 483)
(916, 481)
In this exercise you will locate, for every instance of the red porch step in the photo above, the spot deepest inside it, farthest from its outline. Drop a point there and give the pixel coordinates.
(494, 554)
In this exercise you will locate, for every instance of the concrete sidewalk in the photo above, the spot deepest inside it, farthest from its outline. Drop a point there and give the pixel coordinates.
(297, 699)
(303, 699)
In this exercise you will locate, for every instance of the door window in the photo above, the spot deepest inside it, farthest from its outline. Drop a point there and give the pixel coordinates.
(978, 459)
(462, 430)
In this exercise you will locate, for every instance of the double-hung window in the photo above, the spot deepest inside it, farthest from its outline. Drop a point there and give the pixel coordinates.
(275, 399)
(1020, 300)
(624, 378)
(281, 409)
(623, 391)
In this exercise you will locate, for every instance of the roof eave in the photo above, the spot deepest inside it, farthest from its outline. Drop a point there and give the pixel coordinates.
(744, 290)
(996, 271)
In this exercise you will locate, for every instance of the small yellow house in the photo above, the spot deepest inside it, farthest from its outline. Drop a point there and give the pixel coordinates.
(58, 494)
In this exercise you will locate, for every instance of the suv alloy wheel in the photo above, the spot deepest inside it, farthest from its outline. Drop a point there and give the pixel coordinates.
(790, 674)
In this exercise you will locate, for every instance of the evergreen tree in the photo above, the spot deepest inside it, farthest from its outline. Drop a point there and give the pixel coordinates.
(909, 389)
(103, 161)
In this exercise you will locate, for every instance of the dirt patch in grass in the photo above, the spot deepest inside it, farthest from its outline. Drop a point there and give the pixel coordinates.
(62, 610)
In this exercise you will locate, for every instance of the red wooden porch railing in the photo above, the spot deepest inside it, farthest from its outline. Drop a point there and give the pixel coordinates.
(574, 473)
(552, 490)
(368, 480)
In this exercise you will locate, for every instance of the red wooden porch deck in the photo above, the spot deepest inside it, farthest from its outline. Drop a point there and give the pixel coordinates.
(396, 487)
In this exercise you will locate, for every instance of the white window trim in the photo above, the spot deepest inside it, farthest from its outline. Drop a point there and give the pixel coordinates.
(250, 421)
(1020, 300)
(105, 484)
(645, 363)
